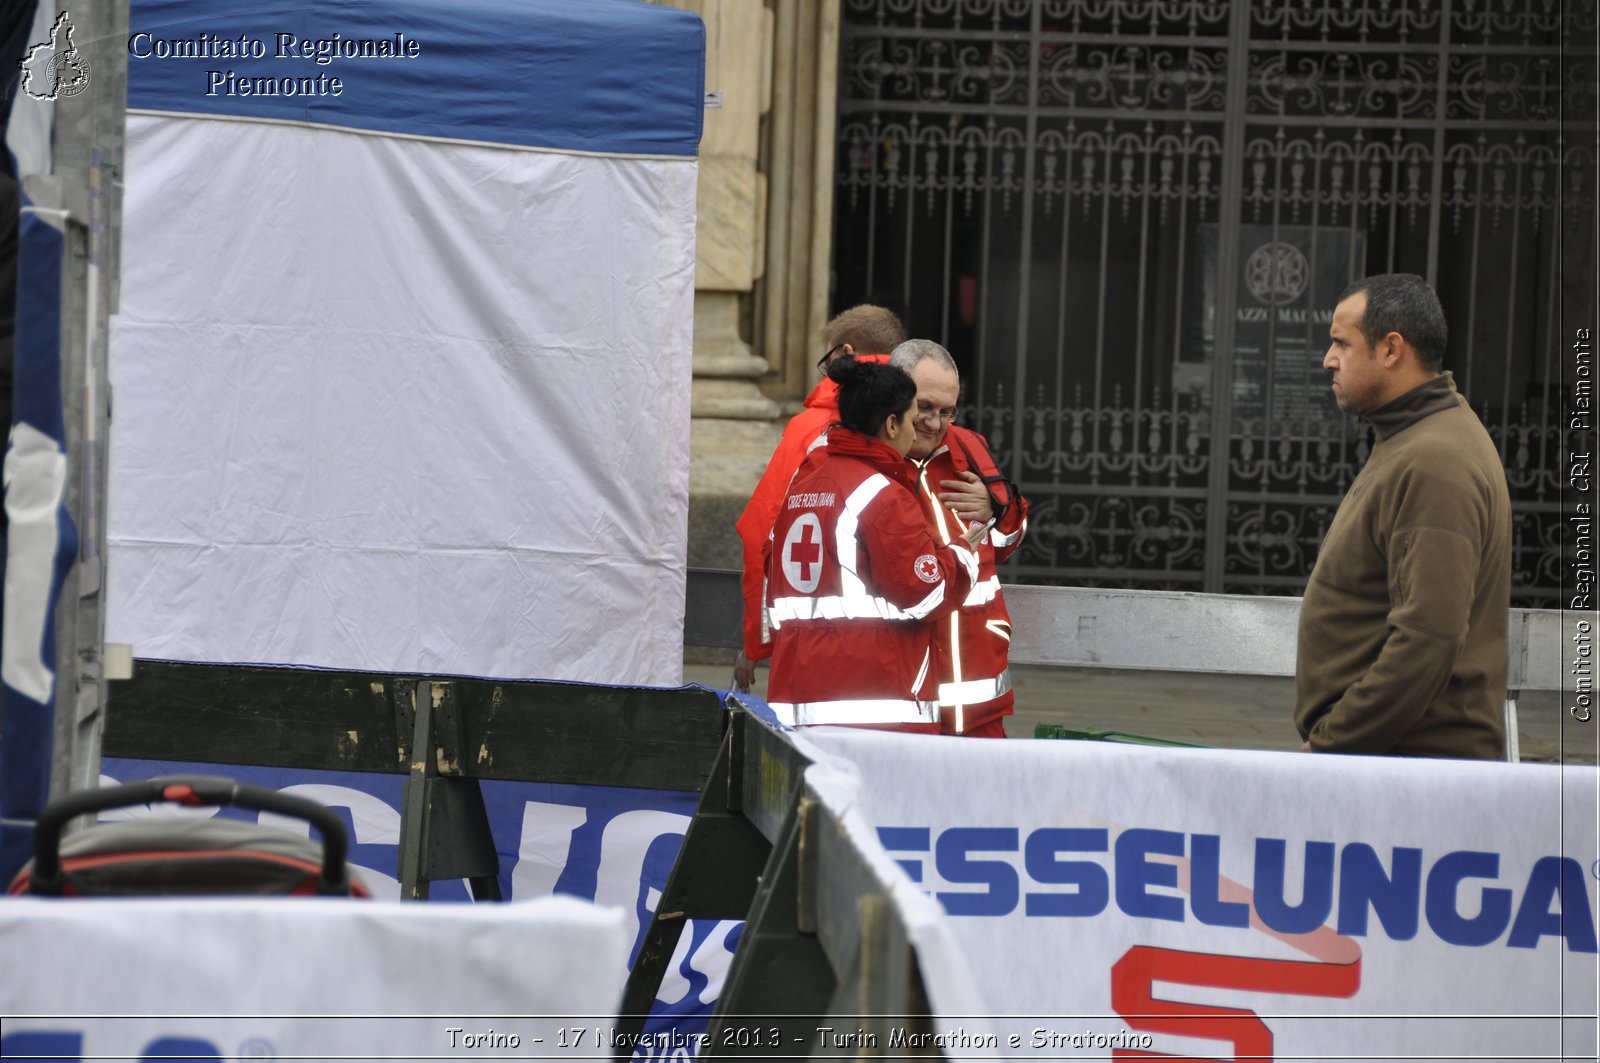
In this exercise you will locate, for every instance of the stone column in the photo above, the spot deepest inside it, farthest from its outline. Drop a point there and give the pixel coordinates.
(762, 261)
(798, 157)
(731, 208)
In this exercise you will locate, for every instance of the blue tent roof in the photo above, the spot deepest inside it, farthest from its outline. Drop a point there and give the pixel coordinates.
(611, 76)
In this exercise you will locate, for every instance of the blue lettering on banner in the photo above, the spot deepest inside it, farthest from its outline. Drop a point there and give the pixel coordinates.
(953, 855)
(174, 1048)
(1064, 873)
(907, 839)
(1136, 873)
(1555, 876)
(1316, 895)
(28, 1046)
(1093, 887)
(1206, 875)
(1444, 883)
(1392, 896)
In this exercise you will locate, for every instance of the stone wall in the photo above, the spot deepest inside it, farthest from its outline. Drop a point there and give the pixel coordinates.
(763, 243)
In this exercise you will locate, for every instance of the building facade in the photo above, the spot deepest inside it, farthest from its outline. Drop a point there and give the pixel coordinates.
(1129, 220)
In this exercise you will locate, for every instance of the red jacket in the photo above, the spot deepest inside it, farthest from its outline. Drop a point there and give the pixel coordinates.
(972, 645)
(855, 581)
(755, 523)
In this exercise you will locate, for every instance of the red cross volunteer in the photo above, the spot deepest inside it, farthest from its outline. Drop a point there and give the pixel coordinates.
(855, 575)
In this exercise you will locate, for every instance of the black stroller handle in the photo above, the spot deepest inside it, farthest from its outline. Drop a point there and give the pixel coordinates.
(193, 790)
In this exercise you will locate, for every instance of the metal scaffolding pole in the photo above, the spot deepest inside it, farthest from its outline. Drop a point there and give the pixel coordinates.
(75, 80)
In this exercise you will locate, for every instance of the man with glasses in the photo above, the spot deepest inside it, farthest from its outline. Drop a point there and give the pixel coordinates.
(960, 486)
(864, 332)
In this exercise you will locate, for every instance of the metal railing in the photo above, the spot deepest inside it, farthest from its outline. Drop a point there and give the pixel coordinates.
(824, 943)
(1167, 631)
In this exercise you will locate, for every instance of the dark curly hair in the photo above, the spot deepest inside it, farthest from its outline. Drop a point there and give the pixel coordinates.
(869, 392)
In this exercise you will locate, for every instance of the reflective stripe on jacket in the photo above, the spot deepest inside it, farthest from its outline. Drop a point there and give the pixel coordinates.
(857, 712)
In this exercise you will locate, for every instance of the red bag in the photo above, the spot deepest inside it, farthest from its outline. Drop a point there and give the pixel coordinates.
(167, 856)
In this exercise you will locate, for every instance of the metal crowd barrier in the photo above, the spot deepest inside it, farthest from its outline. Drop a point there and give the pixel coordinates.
(1168, 631)
(823, 945)
(444, 733)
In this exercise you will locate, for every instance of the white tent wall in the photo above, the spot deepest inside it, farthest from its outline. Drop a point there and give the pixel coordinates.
(400, 404)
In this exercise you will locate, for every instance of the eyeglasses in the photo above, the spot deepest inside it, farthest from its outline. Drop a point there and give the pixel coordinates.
(822, 363)
(945, 416)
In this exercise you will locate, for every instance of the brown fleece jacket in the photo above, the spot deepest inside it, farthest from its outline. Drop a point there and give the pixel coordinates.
(1403, 632)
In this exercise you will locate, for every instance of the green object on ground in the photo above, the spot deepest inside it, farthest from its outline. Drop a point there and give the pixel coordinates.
(1100, 734)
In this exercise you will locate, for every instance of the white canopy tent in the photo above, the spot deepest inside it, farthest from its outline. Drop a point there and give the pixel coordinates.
(402, 374)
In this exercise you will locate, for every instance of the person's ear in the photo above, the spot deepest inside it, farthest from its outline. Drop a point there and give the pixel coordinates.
(1390, 348)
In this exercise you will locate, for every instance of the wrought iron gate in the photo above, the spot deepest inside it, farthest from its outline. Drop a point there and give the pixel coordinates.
(1129, 220)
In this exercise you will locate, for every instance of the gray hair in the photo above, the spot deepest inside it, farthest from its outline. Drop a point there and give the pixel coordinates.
(908, 354)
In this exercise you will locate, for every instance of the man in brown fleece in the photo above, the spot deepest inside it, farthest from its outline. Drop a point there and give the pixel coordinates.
(1403, 632)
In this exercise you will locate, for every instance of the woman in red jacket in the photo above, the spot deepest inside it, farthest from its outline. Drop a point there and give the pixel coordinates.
(855, 576)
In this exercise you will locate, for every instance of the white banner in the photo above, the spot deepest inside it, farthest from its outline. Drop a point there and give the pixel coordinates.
(308, 978)
(950, 981)
(1217, 904)
(400, 404)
